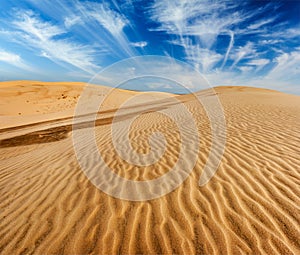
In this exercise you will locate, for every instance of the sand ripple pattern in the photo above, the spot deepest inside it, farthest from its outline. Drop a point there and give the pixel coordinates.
(251, 205)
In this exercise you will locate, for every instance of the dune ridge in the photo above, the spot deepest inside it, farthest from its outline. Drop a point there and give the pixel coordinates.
(250, 206)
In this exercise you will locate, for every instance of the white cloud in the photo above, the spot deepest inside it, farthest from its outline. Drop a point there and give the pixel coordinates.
(42, 37)
(242, 52)
(29, 23)
(141, 44)
(230, 45)
(287, 67)
(271, 41)
(13, 59)
(261, 23)
(284, 76)
(9, 57)
(112, 21)
(72, 20)
(173, 15)
(209, 28)
(202, 18)
(197, 24)
(246, 69)
(109, 19)
(282, 33)
(259, 63)
(203, 59)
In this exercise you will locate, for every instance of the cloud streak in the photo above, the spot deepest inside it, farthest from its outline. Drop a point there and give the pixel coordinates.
(242, 52)
(41, 36)
(72, 21)
(261, 23)
(14, 59)
(259, 63)
(112, 21)
(141, 44)
(231, 42)
(198, 24)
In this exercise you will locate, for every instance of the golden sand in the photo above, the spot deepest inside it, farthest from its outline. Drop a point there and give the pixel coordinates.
(48, 206)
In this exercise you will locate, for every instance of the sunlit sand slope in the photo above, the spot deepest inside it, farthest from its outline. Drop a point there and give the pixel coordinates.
(48, 206)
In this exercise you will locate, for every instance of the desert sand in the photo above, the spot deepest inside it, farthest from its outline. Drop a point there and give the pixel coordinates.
(48, 205)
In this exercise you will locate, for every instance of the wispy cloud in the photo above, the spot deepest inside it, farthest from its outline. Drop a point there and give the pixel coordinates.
(204, 19)
(141, 44)
(111, 20)
(72, 21)
(246, 69)
(230, 45)
(103, 23)
(271, 41)
(13, 59)
(284, 76)
(282, 31)
(261, 23)
(203, 59)
(42, 38)
(211, 27)
(197, 25)
(259, 63)
(242, 52)
(287, 67)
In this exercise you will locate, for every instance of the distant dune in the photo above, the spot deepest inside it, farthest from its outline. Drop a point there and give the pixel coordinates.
(48, 206)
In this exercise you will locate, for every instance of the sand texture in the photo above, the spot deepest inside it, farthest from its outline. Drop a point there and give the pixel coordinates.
(48, 206)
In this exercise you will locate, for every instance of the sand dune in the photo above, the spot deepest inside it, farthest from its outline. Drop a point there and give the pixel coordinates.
(48, 206)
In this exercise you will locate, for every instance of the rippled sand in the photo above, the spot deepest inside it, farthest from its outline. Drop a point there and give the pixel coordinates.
(48, 206)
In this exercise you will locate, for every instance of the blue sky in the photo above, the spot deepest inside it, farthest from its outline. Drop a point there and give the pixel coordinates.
(252, 43)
